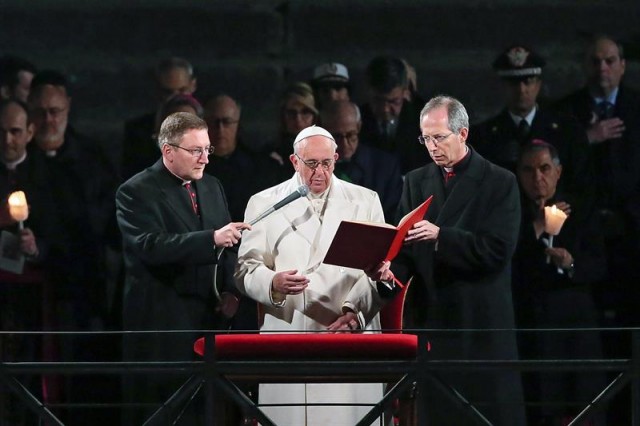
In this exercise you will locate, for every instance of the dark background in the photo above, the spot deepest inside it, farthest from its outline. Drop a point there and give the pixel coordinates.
(252, 49)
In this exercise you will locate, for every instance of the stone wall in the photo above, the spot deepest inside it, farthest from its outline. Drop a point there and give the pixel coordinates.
(252, 49)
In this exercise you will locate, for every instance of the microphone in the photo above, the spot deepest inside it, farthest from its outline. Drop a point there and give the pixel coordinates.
(302, 191)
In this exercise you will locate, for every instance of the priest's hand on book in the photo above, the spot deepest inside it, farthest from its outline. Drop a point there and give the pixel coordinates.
(422, 231)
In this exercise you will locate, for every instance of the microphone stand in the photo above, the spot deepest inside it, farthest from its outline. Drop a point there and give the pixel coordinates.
(301, 191)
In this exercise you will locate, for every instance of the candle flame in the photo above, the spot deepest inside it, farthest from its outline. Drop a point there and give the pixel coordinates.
(18, 208)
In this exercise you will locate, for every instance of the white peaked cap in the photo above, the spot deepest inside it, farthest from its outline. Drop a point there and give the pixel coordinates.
(312, 131)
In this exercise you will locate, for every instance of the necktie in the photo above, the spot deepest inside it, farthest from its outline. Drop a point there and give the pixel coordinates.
(604, 110)
(523, 130)
(448, 175)
(192, 196)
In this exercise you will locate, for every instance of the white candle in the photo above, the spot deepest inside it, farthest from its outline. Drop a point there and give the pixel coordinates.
(18, 208)
(553, 220)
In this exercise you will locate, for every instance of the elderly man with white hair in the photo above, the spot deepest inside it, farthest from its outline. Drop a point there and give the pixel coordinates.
(280, 266)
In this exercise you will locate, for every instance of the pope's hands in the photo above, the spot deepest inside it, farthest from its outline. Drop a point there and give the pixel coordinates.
(230, 234)
(346, 323)
(289, 282)
(380, 272)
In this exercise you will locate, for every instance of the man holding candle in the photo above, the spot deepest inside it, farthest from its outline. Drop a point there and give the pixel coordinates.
(18, 292)
(460, 258)
(16, 131)
(556, 260)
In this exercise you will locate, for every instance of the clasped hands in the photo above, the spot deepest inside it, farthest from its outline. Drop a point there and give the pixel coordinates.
(290, 282)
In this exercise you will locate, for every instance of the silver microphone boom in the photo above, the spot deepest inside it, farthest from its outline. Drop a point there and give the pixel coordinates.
(302, 191)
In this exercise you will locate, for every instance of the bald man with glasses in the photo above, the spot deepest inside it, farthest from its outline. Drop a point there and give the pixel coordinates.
(359, 163)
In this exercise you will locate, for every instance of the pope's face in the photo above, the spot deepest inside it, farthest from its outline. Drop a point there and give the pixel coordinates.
(319, 150)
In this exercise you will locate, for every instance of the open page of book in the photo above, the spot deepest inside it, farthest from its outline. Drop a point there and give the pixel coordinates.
(406, 223)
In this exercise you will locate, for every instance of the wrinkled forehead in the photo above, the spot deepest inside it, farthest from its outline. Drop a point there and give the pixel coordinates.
(603, 48)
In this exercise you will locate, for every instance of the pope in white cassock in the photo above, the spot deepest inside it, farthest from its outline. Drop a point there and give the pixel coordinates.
(280, 266)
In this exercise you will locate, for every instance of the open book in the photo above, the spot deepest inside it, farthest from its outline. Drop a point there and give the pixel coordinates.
(362, 245)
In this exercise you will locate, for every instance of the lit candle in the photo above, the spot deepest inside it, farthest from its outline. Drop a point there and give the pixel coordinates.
(553, 220)
(18, 208)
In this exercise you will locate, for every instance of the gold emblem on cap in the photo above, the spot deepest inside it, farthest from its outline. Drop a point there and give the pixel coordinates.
(518, 56)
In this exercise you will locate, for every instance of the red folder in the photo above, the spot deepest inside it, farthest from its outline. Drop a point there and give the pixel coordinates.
(362, 245)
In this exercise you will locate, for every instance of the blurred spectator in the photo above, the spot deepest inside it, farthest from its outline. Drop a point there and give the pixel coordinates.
(297, 111)
(16, 74)
(173, 76)
(75, 181)
(330, 83)
(241, 172)
(412, 94)
(389, 120)
(609, 111)
(362, 164)
(75, 184)
(177, 103)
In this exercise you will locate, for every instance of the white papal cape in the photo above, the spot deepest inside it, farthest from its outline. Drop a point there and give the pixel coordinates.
(295, 238)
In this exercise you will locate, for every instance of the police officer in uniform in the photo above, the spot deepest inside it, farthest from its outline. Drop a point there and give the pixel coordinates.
(523, 119)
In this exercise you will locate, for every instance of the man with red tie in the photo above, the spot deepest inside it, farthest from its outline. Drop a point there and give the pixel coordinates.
(460, 258)
(174, 221)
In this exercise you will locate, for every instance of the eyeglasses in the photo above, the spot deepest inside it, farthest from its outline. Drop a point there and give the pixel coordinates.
(351, 137)
(425, 139)
(224, 122)
(195, 152)
(313, 164)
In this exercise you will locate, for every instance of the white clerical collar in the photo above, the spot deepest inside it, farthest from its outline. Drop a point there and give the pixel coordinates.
(184, 182)
(13, 164)
(529, 117)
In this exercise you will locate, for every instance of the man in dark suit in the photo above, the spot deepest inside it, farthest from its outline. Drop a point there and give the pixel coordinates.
(388, 118)
(19, 293)
(552, 286)
(362, 164)
(609, 111)
(460, 258)
(524, 119)
(174, 220)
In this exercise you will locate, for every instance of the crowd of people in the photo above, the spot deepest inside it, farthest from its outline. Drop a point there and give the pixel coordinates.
(161, 238)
